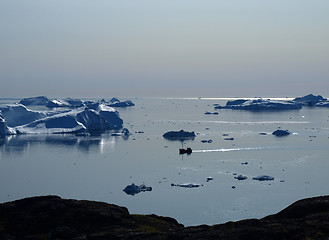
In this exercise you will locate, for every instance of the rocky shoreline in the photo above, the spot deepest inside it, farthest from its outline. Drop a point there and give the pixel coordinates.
(51, 217)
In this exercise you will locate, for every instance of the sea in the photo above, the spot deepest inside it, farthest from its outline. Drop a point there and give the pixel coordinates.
(100, 167)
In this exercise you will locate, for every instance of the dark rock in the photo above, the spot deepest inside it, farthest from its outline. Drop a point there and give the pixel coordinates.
(50, 217)
(281, 133)
(134, 189)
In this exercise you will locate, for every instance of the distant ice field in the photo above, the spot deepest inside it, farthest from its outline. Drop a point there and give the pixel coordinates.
(100, 167)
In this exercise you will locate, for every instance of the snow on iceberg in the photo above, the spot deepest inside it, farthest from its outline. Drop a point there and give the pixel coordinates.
(18, 114)
(261, 105)
(68, 102)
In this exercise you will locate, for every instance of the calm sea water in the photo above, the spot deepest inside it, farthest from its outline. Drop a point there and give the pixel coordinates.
(100, 167)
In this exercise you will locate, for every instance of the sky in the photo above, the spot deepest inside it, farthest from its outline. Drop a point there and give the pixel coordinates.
(153, 48)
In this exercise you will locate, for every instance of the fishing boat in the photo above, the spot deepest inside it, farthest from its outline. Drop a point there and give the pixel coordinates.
(183, 150)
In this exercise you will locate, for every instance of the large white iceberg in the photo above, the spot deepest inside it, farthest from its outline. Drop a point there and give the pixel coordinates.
(18, 119)
(76, 121)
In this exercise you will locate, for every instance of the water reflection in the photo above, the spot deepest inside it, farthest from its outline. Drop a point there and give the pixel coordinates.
(19, 144)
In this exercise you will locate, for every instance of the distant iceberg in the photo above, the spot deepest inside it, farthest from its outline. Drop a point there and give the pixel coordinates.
(73, 103)
(35, 101)
(261, 105)
(68, 102)
(310, 100)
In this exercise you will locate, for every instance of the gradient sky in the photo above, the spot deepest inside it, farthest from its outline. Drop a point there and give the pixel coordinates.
(184, 48)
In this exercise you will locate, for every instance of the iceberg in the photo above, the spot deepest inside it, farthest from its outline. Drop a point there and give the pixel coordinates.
(18, 114)
(35, 101)
(76, 121)
(261, 105)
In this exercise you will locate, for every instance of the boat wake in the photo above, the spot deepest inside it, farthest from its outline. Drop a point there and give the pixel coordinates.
(230, 149)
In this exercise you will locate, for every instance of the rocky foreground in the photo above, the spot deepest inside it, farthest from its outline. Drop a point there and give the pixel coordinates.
(51, 217)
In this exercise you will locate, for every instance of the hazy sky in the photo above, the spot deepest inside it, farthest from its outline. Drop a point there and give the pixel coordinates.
(213, 48)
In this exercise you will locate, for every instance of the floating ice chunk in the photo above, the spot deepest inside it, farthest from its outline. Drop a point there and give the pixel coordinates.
(281, 133)
(263, 178)
(210, 179)
(134, 189)
(186, 185)
(241, 177)
(179, 135)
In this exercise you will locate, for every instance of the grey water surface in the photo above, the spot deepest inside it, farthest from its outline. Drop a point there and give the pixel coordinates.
(100, 167)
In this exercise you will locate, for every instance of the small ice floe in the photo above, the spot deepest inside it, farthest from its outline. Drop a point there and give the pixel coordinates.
(206, 141)
(263, 178)
(241, 177)
(186, 185)
(208, 113)
(263, 133)
(244, 163)
(134, 189)
(281, 133)
(229, 139)
(210, 179)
